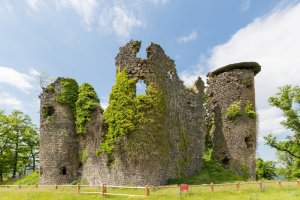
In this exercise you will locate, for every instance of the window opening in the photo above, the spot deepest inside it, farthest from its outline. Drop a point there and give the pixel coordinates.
(48, 111)
(63, 171)
(170, 76)
(141, 87)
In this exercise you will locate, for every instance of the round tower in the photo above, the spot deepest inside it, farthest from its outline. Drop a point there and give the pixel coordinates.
(59, 159)
(232, 110)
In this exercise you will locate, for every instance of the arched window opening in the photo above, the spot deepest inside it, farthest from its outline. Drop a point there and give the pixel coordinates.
(48, 111)
(170, 76)
(63, 170)
(141, 87)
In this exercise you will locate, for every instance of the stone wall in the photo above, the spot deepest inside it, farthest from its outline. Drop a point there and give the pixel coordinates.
(234, 139)
(169, 146)
(175, 143)
(59, 146)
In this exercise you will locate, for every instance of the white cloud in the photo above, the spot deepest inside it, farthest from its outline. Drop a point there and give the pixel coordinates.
(33, 4)
(120, 20)
(34, 73)
(16, 79)
(104, 102)
(84, 8)
(273, 41)
(190, 76)
(246, 5)
(6, 99)
(188, 38)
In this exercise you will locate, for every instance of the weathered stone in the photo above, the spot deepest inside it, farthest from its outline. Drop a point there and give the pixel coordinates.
(234, 140)
(59, 161)
(171, 146)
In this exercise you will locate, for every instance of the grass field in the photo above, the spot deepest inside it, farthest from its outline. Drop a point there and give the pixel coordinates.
(211, 172)
(248, 192)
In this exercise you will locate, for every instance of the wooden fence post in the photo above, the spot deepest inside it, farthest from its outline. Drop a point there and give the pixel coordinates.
(279, 183)
(238, 186)
(103, 190)
(298, 181)
(212, 187)
(78, 188)
(260, 186)
(56, 186)
(147, 191)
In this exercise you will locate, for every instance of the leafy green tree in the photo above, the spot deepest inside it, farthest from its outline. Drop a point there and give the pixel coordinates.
(265, 169)
(19, 143)
(288, 100)
(5, 145)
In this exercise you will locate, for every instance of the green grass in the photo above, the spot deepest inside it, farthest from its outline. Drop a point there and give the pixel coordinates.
(29, 179)
(249, 192)
(212, 172)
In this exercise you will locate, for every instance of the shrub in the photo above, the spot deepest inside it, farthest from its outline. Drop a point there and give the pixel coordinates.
(233, 111)
(249, 110)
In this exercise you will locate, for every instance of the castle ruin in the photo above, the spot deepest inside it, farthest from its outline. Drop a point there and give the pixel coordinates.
(150, 138)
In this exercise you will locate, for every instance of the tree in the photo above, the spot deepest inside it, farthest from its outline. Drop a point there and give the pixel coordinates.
(265, 169)
(18, 143)
(5, 145)
(288, 100)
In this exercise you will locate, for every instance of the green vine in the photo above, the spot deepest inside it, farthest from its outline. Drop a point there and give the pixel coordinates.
(127, 112)
(249, 110)
(69, 93)
(86, 103)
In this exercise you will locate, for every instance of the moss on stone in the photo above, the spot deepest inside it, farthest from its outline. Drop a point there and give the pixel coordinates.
(249, 110)
(233, 111)
(86, 103)
(83, 156)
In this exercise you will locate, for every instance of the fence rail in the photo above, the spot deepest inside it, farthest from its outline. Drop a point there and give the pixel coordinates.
(103, 188)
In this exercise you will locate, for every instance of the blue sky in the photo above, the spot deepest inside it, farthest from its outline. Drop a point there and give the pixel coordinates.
(80, 39)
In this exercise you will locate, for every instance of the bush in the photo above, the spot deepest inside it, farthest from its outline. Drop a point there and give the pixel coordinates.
(249, 110)
(233, 111)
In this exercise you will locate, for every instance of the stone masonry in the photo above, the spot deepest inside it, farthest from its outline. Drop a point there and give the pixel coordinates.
(59, 161)
(234, 140)
(169, 147)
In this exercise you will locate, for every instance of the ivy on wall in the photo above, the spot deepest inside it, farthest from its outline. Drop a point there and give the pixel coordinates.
(82, 100)
(86, 103)
(127, 112)
(69, 93)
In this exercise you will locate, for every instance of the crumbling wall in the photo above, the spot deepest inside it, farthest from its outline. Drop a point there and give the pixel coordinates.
(232, 110)
(59, 145)
(167, 136)
(170, 146)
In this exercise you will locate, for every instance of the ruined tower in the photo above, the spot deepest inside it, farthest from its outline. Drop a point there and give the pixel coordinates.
(232, 111)
(59, 160)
